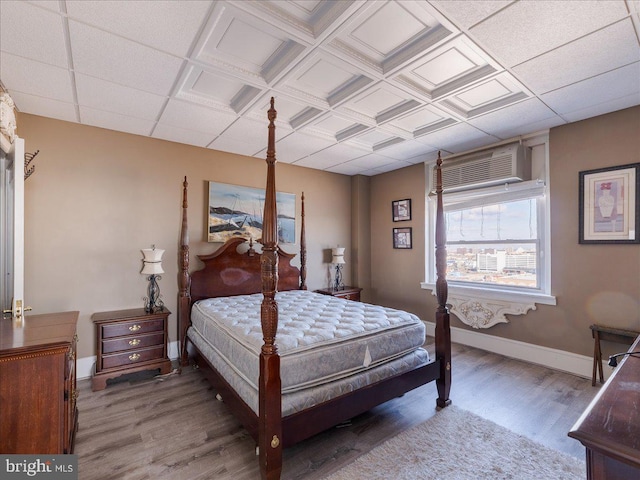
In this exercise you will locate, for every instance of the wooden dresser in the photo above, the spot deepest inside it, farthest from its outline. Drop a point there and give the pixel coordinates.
(129, 341)
(610, 427)
(38, 413)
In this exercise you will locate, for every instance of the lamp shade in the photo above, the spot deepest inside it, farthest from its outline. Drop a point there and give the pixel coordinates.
(152, 262)
(338, 256)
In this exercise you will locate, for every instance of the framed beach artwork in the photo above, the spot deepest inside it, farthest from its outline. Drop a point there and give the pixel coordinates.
(236, 211)
(610, 205)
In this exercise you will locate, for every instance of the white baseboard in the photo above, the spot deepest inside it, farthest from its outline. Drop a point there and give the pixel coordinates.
(84, 366)
(580, 365)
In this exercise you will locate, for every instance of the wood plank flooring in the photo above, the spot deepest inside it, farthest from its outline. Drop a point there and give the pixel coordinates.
(172, 427)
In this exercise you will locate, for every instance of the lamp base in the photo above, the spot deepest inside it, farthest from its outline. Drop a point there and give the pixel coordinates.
(152, 302)
(337, 284)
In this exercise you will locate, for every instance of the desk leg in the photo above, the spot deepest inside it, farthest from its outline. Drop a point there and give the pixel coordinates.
(597, 359)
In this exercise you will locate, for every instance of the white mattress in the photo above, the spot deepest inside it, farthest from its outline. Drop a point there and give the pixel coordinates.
(299, 400)
(320, 338)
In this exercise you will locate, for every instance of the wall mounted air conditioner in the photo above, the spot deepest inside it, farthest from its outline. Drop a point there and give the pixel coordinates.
(504, 164)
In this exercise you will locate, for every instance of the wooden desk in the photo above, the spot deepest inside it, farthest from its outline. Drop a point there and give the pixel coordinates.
(610, 427)
(608, 334)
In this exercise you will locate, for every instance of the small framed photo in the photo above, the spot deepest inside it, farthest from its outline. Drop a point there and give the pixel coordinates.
(401, 210)
(610, 205)
(402, 237)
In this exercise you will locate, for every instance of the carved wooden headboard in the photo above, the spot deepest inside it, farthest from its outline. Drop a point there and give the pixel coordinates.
(228, 272)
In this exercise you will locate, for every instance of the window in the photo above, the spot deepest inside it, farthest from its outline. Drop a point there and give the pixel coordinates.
(493, 237)
(497, 238)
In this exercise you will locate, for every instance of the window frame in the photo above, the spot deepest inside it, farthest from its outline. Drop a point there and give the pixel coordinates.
(539, 186)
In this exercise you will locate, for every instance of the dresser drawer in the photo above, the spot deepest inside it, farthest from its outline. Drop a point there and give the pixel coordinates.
(133, 357)
(132, 328)
(134, 342)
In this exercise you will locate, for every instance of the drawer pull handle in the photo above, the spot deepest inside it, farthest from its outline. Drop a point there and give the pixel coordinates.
(134, 356)
(134, 342)
(135, 328)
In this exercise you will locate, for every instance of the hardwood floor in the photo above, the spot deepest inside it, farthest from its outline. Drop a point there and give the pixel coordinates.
(174, 428)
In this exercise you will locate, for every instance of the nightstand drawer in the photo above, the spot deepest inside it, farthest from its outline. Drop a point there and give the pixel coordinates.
(132, 328)
(130, 358)
(134, 342)
(350, 296)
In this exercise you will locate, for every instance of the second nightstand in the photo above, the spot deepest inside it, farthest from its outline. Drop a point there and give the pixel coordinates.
(129, 341)
(349, 293)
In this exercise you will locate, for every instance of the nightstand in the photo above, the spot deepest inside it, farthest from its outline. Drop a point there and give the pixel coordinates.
(349, 293)
(129, 341)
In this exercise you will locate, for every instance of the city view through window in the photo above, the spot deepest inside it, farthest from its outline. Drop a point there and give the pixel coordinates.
(493, 244)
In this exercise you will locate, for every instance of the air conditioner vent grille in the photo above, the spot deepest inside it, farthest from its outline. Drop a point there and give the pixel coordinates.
(504, 164)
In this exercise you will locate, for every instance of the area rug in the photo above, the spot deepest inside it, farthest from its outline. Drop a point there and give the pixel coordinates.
(457, 445)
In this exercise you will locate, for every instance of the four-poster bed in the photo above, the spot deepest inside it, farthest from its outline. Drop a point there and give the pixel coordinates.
(231, 311)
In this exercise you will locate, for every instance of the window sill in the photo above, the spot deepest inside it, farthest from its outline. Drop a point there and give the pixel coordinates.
(484, 308)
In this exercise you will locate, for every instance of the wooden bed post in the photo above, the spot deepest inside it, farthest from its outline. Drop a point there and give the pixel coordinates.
(184, 281)
(443, 332)
(303, 251)
(270, 409)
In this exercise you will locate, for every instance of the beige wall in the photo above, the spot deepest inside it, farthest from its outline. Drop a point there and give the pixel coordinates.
(592, 283)
(97, 197)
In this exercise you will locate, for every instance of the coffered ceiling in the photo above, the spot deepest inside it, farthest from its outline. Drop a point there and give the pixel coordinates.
(361, 87)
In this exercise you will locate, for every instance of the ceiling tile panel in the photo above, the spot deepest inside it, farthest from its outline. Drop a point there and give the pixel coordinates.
(559, 67)
(497, 92)
(298, 145)
(332, 156)
(195, 117)
(422, 120)
(43, 40)
(245, 44)
(215, 90)
(367, 38)
(168, 25)
(603, 108)
(248, 146)
(457, 138)
(45, 107)
(466, 13)
(455, 65)
(115, 121)
(182, 135)
(324, 79)
(117, 60)
(549, 24)
(405, 150)
(42, 80)
(609, 86)
(111, 97)
(528, 115)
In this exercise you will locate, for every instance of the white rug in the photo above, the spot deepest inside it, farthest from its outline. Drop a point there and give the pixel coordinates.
(457, 445)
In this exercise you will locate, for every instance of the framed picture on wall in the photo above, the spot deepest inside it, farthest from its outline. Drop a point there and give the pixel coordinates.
(610, 205)
(401, 210)
(402, 237)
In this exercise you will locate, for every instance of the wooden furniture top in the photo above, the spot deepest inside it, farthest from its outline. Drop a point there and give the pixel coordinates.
(36, 331)
(132, 313)
(611, 423)
(612, 334)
